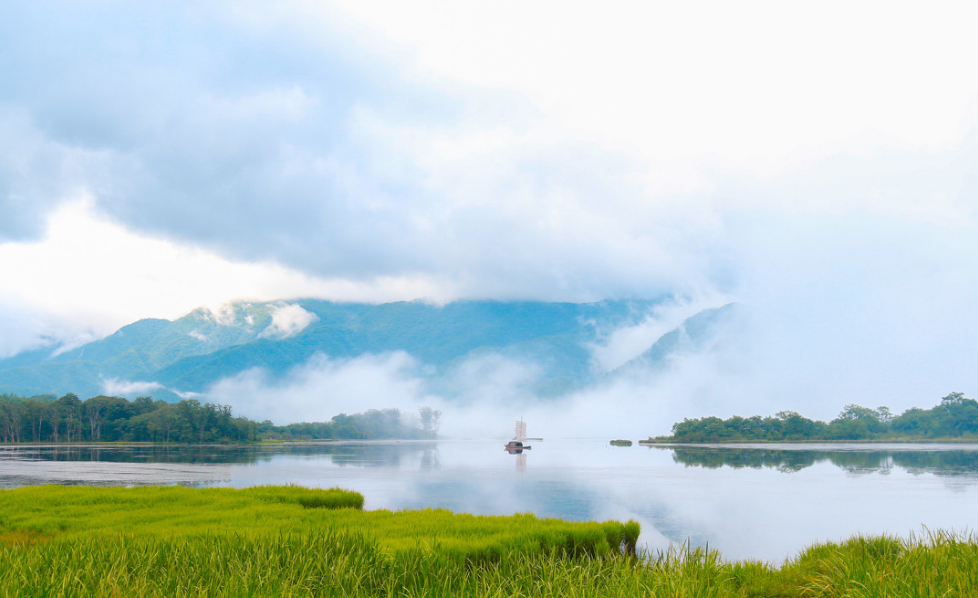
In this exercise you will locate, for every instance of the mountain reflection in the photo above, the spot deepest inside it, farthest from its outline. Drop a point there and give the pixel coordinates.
(858, 461)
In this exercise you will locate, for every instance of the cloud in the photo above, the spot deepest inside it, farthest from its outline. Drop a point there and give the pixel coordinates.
(115, 387)
(816, 166)
(481, 399)
(481, 395)
(88, 277)
(22, 330)
(855, 309)
(25, 327)
(377, 147)
(37, 174)
(322, 388)
(619, 346)
(705, 85)
(288, 320)
(794, 343)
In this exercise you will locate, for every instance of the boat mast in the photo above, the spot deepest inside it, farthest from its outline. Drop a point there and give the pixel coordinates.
(521, 431)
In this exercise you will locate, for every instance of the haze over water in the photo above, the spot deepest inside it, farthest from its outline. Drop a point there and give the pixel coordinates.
(766, 502)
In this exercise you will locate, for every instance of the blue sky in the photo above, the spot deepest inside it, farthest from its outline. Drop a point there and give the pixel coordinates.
(815, 163)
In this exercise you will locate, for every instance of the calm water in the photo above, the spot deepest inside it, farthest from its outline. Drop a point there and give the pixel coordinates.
(764, 502)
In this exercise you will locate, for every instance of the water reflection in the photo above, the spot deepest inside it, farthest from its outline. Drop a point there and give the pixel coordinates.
(389, 455)
(341, 453)
(189, 465)
(854, 460)
(132, 454)
(765, 502)
(429, 459)
(520, 454)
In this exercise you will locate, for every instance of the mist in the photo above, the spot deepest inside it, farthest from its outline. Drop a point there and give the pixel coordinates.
(831, 310)
(322, 388)
(482, 396)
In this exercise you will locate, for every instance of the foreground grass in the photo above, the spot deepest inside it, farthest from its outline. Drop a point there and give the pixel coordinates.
(57, 541)
(76, 513)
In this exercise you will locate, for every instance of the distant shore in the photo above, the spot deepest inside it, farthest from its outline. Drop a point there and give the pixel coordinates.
(749, 443)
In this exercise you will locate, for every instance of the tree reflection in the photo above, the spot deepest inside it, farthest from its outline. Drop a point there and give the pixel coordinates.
(380, 454)
(952, 462)
(345, 454)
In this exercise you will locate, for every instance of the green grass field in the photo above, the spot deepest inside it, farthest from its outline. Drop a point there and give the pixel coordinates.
(290, 541)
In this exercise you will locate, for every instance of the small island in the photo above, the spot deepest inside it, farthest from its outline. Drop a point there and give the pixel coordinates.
(954, 419)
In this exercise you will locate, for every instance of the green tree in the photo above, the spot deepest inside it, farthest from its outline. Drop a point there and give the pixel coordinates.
(103, 415)
(10, 421)
(430, 419)
(70, 408)
(36, 413)
(796, 427)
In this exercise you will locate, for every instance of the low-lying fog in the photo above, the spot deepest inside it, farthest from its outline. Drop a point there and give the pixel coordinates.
(857, 319)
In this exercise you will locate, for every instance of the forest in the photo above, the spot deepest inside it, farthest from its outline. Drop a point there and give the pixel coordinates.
(116, 419)
(954, 418)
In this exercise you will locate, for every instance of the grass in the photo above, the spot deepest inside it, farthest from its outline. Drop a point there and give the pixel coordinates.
(290, 541)
(77, 512)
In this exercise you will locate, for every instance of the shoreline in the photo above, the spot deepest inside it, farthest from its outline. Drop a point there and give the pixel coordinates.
(831, 443)
(648, 443)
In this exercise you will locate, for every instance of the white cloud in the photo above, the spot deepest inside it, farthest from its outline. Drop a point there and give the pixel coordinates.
(288, 320)
(289, 104)
(480, 397)
(88, 276)
(322, 388)
(115, 387)
(484, 381)
(621, 345)
(94, 265)
(758, 85)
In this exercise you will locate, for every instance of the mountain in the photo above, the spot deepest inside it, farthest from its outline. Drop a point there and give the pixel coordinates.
(134, 352)
(696, 334)
(165, 358)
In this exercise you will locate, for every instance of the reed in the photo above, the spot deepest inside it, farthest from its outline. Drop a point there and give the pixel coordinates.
(73, 512)
(289, 541)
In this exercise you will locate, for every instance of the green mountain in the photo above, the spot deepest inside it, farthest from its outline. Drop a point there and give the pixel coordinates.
(192, 353)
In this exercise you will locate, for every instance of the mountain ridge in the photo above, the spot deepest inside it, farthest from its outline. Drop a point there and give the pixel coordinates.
(167, 359)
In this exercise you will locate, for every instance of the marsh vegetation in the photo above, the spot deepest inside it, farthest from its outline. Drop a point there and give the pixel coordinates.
(291, 541)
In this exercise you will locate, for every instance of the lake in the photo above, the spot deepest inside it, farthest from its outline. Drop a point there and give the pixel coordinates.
(748, 501)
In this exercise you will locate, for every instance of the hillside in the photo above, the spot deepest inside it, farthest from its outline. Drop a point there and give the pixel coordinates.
(192, 353)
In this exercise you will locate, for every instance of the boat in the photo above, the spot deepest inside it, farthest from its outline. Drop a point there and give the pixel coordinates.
(518, 444)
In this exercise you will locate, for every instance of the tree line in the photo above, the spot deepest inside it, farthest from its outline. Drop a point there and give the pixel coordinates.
(955, 417)
(115, 419)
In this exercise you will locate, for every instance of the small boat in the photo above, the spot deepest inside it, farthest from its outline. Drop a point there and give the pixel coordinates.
(517, 445)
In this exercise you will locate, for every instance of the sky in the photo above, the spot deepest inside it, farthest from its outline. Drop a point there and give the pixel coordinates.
(812, 162)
